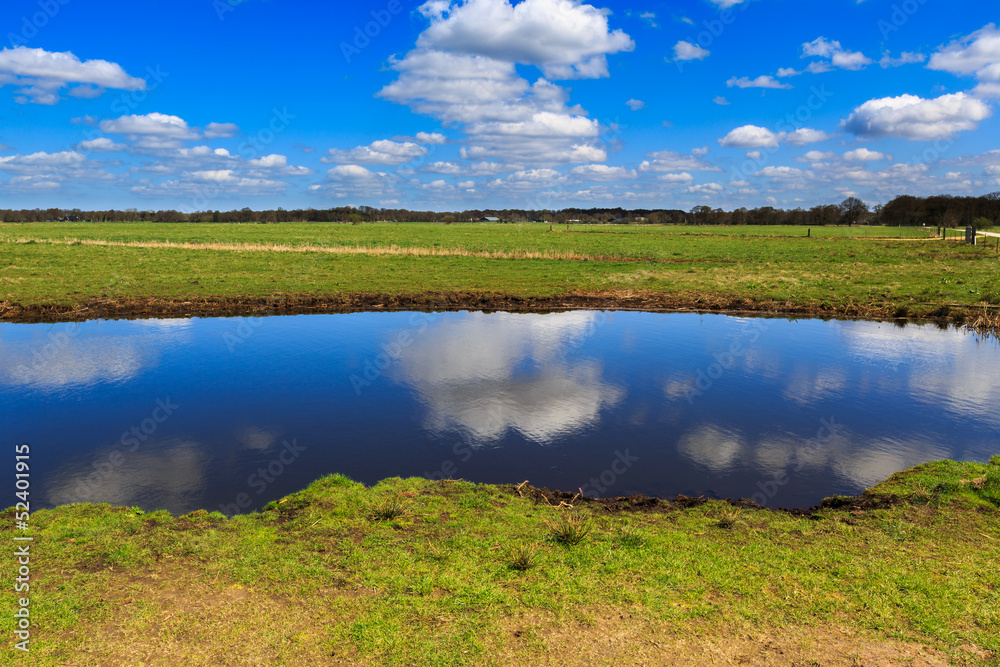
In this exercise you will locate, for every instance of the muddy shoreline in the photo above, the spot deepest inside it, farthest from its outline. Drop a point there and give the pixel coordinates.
(300, 304)
(866, 501)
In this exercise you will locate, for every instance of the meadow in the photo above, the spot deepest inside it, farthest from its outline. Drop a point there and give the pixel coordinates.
(412, 571)
(89, 270)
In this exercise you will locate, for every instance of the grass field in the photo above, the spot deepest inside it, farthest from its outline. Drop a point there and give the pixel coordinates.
(449, 573)
(837, 270)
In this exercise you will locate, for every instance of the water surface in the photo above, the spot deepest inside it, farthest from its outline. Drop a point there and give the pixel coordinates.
(232, 413)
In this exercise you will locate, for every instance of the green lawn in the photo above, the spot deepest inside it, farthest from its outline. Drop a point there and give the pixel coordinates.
(837, 270)
(418, 572)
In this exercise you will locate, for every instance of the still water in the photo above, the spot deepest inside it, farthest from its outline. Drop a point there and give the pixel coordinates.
(230, 414)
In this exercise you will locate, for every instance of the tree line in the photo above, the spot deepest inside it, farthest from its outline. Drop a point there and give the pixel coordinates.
(905, 210)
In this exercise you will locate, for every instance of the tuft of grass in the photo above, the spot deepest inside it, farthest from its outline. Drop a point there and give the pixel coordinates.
(569, 529)
(387, 509)
(729, 518)
(523, 557)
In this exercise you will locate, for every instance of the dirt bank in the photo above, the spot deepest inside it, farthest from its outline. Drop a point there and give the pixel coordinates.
(296, 304)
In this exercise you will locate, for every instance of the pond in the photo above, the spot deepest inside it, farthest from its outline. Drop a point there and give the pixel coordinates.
(229, 414)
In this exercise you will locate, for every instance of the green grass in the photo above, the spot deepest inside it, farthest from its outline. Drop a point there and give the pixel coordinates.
(840, 270)
(471, 574)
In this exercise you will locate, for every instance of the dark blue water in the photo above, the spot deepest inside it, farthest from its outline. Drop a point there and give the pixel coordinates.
(232, 413)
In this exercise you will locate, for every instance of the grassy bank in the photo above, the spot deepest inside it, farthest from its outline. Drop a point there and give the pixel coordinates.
(418, 572)
(85, 270)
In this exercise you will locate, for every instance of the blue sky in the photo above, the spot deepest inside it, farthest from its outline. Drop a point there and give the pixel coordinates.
(220, 104)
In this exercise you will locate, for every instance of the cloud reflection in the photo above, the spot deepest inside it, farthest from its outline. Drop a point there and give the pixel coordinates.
(484, 374)
(170, 477)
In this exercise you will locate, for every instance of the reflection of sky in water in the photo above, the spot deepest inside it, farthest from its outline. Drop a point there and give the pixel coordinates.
(485, 374)
(708, 404)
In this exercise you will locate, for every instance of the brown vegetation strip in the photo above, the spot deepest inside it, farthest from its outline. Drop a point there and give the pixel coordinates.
(413, 251)
(298, 304)
(646, 504)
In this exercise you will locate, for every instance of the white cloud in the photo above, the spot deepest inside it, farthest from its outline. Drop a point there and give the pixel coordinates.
(915, 118)
(700, 152)
(762, 81)
(721, 101)
(837, 56)
(726, 4)
(221, 130)
(351, 171)
(755, 155)
(43, 73)
(705, 189)
(905, 58)
(565, 38)
(978, 54)
(682, 178)
(41, 161)
(151, 131)
(750, 136)
(787, 71)
(602, 172)
(383, 151)
(817, 156)
(687, 51)
(635, 105)
(431, 138)
(805, 135)
(781, 173)
(464, 74)
(863, 155)
(443, 168)
(669, 161)
(278, 164)
(100, 145)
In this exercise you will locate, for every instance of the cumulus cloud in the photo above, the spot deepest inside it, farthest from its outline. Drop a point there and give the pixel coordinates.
(905, 58)
(721, 101)
(602, 172)
(705, 189)
(275, 164)
(383, 151)
(100, 145)
(221, 130)
(762, 81)
(150, 131)
(977, 54)
(916, 118)
(834, 54)
(464, 73)
(863, 155)
(431, 138)
(750, 136)
(635, 105)
(816, 156)
(683, 178)
(565, 38)
(804, 136)
(42, 74)
(687, 51)
(669, 161)
(753, 136)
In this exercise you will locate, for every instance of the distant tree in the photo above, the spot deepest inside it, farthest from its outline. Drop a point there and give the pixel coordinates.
(852, 210)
